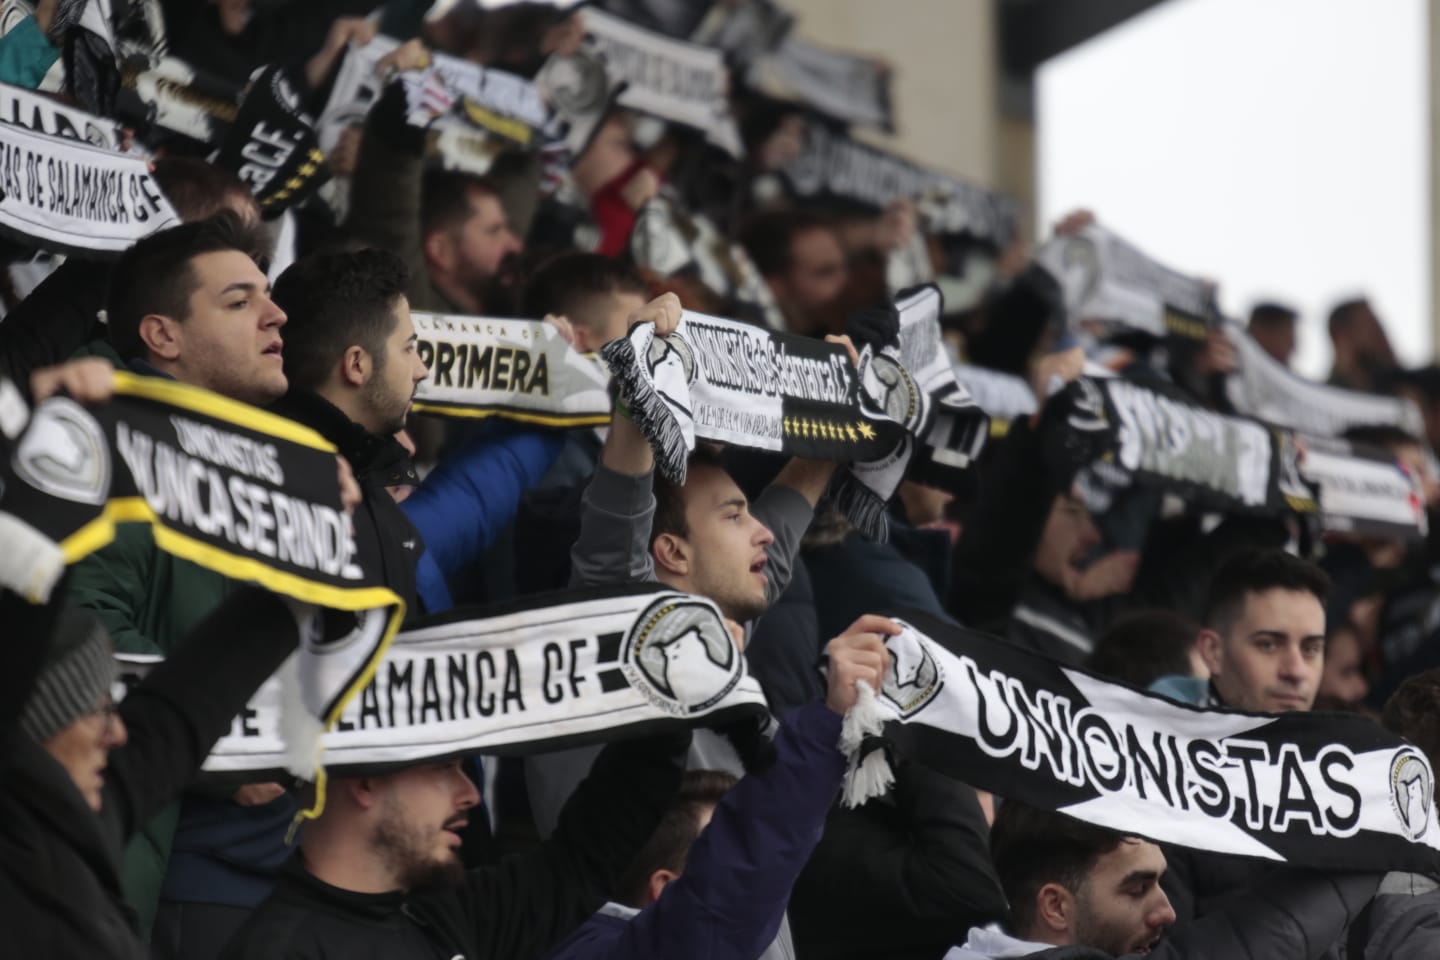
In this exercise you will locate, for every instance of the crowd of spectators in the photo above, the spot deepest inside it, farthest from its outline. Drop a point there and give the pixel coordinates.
(718, 843)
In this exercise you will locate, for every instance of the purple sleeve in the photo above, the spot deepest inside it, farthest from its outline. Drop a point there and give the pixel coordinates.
(729, 902)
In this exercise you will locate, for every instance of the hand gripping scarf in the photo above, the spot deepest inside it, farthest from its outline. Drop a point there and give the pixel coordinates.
(222, 484)
(545, 673)
(1329, 791)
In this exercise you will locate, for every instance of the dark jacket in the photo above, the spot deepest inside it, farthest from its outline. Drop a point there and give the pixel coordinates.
(59, 862)
(55, 320)
(903, 876)
(1297, 919)
(386, 193)
(229, 854)
(858, 576)
(1047, 622)
(381, 527)
(729, 901)
(783, 651)
(1401, 923)
(514, 910)
(150, 601)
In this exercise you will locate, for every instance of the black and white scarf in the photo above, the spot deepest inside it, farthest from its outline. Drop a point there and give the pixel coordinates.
(232, 488)
(734, 383)
(41, 114)
(96, 37)
(59, 193)
(272, 144)
(514, 369)
(673, 80)
(1003, 396)
(545, 673)
(1330, 791)
(1126, 432)
(954, 426)
(1263, 388)
(1363, 490)
(731, 382)
(849, 88)
(744, 31)
(668, 241)
(172, 95)
(834, 165)
(1110, 286)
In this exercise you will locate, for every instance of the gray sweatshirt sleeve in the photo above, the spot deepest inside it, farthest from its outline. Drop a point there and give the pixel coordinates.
(788, 514)
(614, 542)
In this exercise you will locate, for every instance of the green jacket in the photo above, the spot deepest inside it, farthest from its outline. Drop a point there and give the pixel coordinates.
(148, 600)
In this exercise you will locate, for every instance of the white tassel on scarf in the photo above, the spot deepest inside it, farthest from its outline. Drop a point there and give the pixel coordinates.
(869, 775)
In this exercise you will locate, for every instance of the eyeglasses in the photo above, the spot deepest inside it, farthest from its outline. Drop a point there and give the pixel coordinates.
(107, 711)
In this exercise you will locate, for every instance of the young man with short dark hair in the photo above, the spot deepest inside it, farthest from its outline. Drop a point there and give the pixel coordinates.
(354, 369)
(1081, 892)
(1263, 636)
(191, 303)
(596, 294)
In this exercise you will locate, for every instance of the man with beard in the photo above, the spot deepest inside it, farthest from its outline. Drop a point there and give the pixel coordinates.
(459, 248)
(353, 366)
(1363, 354)
(378, 876)
(1082, 892)
(803, 262)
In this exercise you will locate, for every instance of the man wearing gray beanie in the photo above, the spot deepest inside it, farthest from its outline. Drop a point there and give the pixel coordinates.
(78, 775)
(70, 711)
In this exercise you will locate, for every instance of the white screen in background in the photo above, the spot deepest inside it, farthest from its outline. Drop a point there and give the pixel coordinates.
(1278, 146)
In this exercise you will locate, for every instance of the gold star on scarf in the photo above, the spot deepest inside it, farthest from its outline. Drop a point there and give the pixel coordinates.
(866, 431)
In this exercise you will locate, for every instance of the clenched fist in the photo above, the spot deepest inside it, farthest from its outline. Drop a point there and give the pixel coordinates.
(858, 654)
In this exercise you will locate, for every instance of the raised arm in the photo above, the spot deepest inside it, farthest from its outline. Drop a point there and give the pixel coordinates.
(619, 504)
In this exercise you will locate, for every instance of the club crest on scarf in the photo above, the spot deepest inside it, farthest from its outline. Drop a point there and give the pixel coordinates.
(681, 656)
(65, 453)
(887, 384)
(674, 353)
(1411, 792)
(914, 678)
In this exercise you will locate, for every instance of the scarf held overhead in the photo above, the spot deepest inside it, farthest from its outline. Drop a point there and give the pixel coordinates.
(542, 674)
(61, 194)
(1265, 389)
(515, 369)
(670, 79)
(1108, 281)
(1329, 791)
(1127, 431)
(222, 484)
(833, 164)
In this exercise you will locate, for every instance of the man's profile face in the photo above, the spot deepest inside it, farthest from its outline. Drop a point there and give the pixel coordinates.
(817, 269)
(230, 342)
(1067, 542)
(1120, 907)
(398, 372)
(422, 811)
(1271, 657)
(483, 242)
(728, 544)
(1276, 339)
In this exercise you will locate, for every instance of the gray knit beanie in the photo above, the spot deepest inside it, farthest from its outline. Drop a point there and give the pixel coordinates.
(78, 669)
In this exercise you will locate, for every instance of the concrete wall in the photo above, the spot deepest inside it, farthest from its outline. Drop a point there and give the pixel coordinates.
(943, 56)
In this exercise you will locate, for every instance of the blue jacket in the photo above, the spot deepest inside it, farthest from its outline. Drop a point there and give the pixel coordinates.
(728, 903)
(470, 496)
